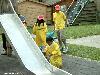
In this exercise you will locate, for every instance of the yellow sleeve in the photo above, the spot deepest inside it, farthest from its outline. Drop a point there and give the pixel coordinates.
(46, 27)
(54, 16)
(56, 50)
(56, 46)
(47, 51)
(64, 16)
(34, 29)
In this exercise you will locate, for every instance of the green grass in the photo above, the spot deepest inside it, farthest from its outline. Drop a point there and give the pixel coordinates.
(84, 52)
(0, 35)
(29, 29)
(77, 31)
(0, 38)
(80, 31)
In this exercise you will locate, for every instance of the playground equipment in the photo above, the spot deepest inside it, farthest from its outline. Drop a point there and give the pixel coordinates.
(23, 44)
(74, 11)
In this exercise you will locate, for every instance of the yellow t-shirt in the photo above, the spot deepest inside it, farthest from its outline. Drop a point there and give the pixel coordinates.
(59, 20)
(40, 32)
(53, 54)
(53, 49)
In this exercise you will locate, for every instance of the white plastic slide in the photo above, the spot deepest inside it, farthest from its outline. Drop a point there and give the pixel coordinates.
(26, 48)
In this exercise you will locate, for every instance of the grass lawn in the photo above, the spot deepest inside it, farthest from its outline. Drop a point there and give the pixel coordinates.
(84, 51)
(0, 35)
(29, 29)
(80, 31)
(0, 38)
(77, 31)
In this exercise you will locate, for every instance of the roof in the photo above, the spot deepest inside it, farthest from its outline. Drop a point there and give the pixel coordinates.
(52, 2)
(21, 1)
(46, 2)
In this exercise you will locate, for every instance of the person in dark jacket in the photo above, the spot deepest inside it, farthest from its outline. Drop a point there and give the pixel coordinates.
(6, 45)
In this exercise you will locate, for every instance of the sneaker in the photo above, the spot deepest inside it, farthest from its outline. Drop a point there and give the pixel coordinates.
(42, 48)
(65, 50)
(61, 49)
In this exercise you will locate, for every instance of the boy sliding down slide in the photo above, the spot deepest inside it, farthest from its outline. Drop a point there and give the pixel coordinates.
(52, 53)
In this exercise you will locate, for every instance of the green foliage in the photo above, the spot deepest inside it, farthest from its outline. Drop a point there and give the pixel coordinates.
(29, 29)
(0, 35)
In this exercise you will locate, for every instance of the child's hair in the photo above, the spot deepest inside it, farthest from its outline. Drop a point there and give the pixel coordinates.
(39, 22)
(18, 14)
(49, 39)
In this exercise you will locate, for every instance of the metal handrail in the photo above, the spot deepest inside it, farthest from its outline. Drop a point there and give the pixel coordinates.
(79, 12)
(70, 6)
(76, 11)
(72, 13)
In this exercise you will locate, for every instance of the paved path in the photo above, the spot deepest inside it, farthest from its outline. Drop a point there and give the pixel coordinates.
(11, 65)
(73, 65)
(91, 41)
(80, 66)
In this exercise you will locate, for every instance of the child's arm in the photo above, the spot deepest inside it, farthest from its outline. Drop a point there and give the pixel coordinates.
(56, 50)
(46, 28)
(34, 29)
(54, 20)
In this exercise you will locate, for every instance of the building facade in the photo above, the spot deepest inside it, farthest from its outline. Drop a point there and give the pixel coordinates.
(31, 10)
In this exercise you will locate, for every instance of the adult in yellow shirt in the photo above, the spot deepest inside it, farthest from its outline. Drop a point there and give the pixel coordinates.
(59, 20)
(40, 29)
(52, 53)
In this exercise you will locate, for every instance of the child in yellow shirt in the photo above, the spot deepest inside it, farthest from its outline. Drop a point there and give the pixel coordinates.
(40, 29)
(53, 53)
